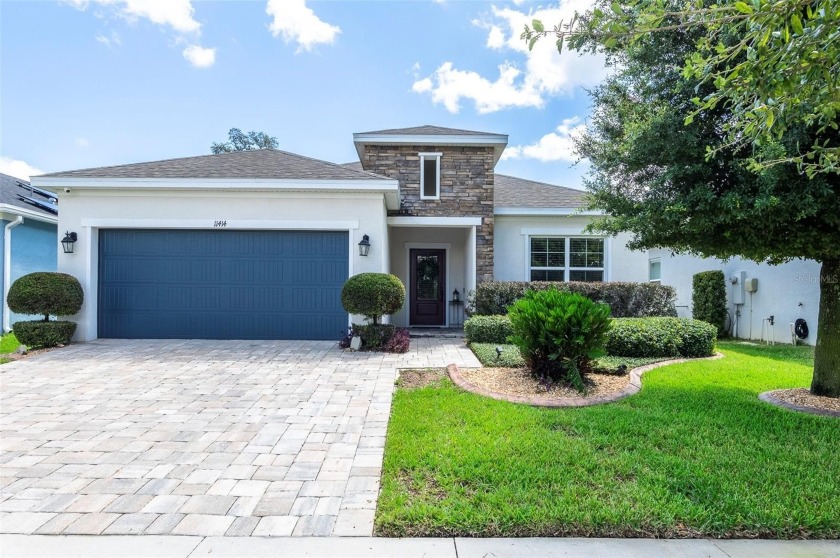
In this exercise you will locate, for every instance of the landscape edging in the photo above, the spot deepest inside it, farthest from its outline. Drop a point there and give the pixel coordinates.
(768, 397)
(633, 388)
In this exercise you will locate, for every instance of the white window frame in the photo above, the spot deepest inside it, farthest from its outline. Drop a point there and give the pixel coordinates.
(423, 157)
(650, 263)
(567, 268)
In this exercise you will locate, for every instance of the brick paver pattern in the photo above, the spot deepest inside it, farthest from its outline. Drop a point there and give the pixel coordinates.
(238, 438)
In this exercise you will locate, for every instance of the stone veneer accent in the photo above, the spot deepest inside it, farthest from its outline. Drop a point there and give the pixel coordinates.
(466, 188)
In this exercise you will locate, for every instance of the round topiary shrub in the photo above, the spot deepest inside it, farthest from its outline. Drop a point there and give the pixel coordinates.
(558, 333)
(373, 295)
(45, 293)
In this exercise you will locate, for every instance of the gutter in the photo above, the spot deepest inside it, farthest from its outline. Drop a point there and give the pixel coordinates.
(7, 269)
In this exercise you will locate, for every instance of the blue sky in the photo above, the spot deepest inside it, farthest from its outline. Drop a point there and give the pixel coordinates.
(103, 82)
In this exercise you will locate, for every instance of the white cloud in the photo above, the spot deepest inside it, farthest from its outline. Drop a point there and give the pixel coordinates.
(199, 56)
(448, 85)
(176, 15)
(18, 169)
(556, 146)
(111, 41)
(295, 22)
(545, 72)
(82, 142)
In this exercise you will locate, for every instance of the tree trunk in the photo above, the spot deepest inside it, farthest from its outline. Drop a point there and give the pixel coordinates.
(827, 353)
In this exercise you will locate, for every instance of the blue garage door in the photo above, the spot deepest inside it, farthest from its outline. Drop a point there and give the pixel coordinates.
(184, 284)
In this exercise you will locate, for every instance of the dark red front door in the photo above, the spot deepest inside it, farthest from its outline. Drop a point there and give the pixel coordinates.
(427, 300)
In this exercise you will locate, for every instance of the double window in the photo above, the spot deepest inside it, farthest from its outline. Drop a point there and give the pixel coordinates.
(558, 258)
(430, 176)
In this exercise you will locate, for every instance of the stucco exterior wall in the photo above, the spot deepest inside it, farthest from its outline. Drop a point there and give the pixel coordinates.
(466, 187)
(453, 240)
(511, 247)
(34, 248)
(787, 292)
(86, 211)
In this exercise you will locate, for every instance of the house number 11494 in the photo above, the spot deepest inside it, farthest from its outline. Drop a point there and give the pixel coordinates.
(220, 223)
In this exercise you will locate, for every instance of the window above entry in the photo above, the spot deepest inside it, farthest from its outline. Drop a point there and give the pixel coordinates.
(430, 176)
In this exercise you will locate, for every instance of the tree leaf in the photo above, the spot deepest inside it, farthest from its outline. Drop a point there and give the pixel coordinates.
(743, 7)
(538, 26)
(796, 23)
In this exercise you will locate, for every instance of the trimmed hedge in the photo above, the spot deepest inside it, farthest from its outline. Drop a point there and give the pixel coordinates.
(46, 293)
(487, 329)
(661, 337)
(44, 334)
(373, 295)
(626, 300)
(708, 299)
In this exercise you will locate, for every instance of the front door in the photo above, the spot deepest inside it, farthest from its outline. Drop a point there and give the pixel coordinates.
(427, 291)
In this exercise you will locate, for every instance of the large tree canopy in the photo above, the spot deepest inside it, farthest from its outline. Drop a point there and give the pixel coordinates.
(774, 63)
(240, 141)
(666, 169)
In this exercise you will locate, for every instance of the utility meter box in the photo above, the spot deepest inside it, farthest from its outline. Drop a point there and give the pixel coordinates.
(751, 285)
(737, 281)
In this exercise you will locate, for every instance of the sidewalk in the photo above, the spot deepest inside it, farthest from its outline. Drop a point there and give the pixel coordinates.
(32, 546)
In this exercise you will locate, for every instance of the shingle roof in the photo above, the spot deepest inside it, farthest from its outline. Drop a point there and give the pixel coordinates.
(428, 130)
(510, 191)
(270, 164)
(9, 191)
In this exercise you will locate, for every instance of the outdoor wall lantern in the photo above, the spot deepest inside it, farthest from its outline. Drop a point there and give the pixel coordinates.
(456, 296)
(68, 241)
(364, 246)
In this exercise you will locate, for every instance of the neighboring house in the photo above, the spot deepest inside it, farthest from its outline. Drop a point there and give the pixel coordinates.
(28, 219)
(257, 244)
(788, 292)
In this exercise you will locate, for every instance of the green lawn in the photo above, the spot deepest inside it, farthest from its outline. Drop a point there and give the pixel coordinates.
(694, 453)
(8, 343)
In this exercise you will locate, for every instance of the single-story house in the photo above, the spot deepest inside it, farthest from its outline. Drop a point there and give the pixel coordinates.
(28, 217)
(787, 292)
(257, 244)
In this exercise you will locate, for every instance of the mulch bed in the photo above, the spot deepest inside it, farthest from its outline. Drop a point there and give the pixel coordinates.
(520, 382)
(416, 378)
(516, 386)
(800, 399)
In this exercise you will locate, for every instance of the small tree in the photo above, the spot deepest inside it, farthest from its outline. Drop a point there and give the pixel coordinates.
(45, 293)
(708, 300)
(240, 141)
(373, 295)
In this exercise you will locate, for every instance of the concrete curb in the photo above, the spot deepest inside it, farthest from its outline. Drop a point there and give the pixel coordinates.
(768, 397)
(633, 388)
(143, 546)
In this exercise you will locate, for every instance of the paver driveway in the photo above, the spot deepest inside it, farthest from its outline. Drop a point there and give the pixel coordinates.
(257, 438)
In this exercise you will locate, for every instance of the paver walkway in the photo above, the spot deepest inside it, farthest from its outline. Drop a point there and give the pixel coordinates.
(209, 438)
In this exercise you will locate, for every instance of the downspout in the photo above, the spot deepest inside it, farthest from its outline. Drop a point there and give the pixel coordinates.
(7, 270)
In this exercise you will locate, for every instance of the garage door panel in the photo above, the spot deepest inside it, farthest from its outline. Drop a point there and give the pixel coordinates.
(222, 284)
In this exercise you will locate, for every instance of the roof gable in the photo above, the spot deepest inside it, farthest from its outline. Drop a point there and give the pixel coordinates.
(265, 164)
(511, 192)
(427, 130)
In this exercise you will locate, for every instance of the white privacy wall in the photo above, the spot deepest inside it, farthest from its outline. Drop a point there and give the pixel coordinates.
(86, 211)
(510, 247)
(787, 292)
